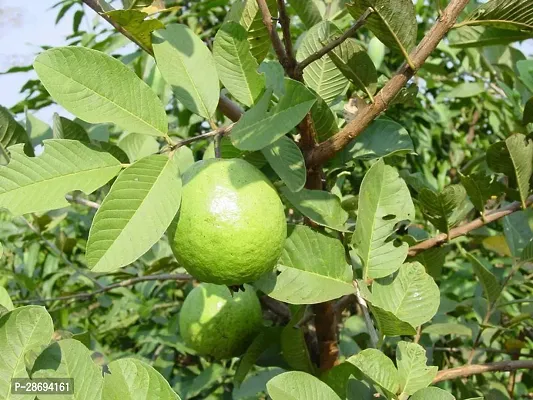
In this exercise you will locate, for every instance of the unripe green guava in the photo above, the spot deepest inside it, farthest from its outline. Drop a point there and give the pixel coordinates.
(214, 322)
(231, 226)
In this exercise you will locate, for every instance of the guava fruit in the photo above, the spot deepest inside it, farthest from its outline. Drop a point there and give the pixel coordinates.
(214, 322)
(231, 226)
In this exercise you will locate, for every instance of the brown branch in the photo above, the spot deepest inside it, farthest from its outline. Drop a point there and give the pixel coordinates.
(468, 227)
(335, 43)
(326, 150)
(225, 105)
(128, 282)
(222, 131)
(285, 23)
(469, 370)
(273, 33)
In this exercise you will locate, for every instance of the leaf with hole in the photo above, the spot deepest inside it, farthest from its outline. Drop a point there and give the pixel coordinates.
(312, 269)
(188, 66)
(65, 166)
(384, 201)
(135, 214)
(98, 88)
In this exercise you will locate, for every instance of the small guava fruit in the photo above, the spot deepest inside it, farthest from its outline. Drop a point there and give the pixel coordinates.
(231, 226)
(215, 322)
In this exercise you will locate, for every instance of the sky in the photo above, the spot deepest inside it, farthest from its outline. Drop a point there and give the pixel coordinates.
(27, 25)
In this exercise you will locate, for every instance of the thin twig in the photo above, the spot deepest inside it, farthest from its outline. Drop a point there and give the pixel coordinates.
(128, 282)
(468, 227)
(469, 370)
(273, 33)
(222, 131)
(483, 350)
(374, 337)
(285, 22)
(335, 43)
(83, 202)
(60, 254)
(327, 149)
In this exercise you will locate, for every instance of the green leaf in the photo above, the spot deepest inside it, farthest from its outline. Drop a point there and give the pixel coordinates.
(444, 329)
(439, 207)
(384, 201)
(138, 146)
(69, 358)
(38, 131)
(393, 21)
(293, 344)
(24, 329)
(528, 112)
(376, 51)
(247, 13)
(259, 128)
(66, 129)
(389, 324)
(312, 269)
(514, 158)
(381, 139)
(308, 11)
(135, 214)
(517, 232)
(133, 379)
(433, 259)
(135, 23)
(353, 61)
(488, 281)
(413, 372)
(378, 368)
(506, 14)
(464, 90)
(5, 300)
(236, 66)
(65, 166)
(412, 296)
(297, 385)
(188, 66)
(286, 159)
(324, 120)
(432, 393)
(266, 338)
(322, 76)
(337, 377)
(11, 132)
(319, 206)
(480, 36)
(480, 188)
(525, 73)
(98, 88)
(274, 75)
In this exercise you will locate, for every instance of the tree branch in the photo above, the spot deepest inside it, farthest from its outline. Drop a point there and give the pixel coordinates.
(273, 33)
(335, 43)
(222, 131)
(83, 202)
(225, 105)
(469, 370)
(326, 150)
(285, 23)
(468, 227)
(128, 282)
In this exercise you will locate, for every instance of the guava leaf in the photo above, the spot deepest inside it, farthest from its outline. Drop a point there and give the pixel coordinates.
(69, 358)
(413, 372)
(5, 300)
(308, 11)
(322, 76)
(384, 201)
(259, 128)
(135, 214)
(293, 345)
(236, 66)
(64, 128)
(412, 295)
(444, 329)
(21, 330)
(297, 385)
(389, 324)
(433, 393)
(378, 368)
(505, 14)
(287, 160)
(439, 207)
(312, 269)
(133, 379)
(488, 281)
(517, 232)
(188, 66)
(11, 132)
(65, 166)
(324, 119)
(98, 88)
(135, 22)
(138, 146)
(319, 206)
(480, 188)
(247, 14)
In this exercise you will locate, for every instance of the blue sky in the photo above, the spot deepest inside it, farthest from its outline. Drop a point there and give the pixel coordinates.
(27, 25)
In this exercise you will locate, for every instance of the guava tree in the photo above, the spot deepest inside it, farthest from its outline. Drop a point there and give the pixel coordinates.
(311, 199)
